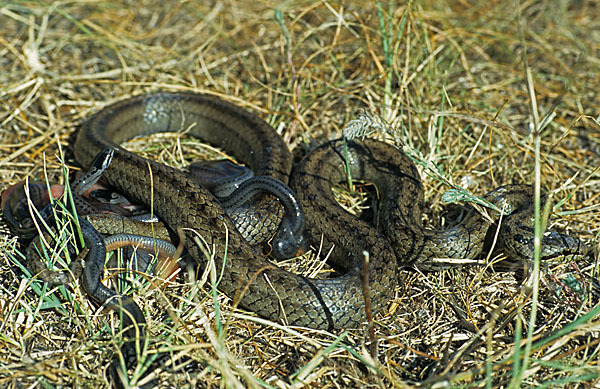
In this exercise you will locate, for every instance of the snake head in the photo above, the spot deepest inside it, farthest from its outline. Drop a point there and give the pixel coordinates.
(555, 246)
(15, 205)
(558, 245)
(287, 242)
(221, 177)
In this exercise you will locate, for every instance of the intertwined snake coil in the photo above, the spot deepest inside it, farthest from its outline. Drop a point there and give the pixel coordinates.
(273, 292)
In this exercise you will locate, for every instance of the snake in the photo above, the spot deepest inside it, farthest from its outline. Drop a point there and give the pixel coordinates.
(338, 302)
(276, 223)
(132, 318)
(123, 233)
(189, 209)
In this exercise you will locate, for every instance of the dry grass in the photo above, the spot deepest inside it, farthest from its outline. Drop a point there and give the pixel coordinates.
(450, 79)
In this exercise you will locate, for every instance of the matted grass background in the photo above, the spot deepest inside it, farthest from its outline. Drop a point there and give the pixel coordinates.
(450, 79)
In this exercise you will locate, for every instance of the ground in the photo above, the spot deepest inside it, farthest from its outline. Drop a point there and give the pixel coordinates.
(481, 94)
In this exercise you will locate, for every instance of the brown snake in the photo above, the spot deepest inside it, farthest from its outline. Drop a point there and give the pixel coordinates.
(273, 292)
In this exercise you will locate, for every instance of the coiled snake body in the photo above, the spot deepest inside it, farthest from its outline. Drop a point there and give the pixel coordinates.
(272, 292)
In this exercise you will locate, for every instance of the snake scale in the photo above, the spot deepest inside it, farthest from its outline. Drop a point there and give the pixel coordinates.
(272, 292)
